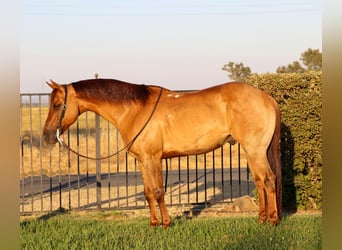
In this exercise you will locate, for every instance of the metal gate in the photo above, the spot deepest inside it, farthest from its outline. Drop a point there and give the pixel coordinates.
(52, 178)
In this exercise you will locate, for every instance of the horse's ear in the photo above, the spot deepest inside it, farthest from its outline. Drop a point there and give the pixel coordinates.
(53, 84)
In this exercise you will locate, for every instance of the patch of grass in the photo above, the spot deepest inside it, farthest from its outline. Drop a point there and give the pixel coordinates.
(112, 231)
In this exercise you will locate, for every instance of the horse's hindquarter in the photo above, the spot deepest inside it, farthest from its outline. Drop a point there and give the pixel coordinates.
(252, 115)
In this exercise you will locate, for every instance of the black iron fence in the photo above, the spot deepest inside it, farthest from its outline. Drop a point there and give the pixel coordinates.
(52, 177)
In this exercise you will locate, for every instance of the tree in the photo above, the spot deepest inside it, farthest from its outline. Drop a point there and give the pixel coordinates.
(237, 71)
(295, 67)
(311, 59)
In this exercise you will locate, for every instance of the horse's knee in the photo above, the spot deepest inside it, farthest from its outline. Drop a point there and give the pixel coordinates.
(158, 194)
(154, 194)
(149, 195)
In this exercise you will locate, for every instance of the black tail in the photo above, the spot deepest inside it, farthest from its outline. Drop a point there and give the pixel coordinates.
(273, 155)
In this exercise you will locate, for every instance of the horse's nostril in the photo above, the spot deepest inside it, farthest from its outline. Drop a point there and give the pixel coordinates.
(49, 137)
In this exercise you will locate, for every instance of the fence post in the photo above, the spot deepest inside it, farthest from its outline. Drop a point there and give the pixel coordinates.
(98, 162)
(98, 155)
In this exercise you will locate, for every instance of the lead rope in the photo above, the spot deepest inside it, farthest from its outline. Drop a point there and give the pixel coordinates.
(128, 146)
(166, 174)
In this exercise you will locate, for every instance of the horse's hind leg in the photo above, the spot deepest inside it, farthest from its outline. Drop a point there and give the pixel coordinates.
(265, 183)
(153, 189)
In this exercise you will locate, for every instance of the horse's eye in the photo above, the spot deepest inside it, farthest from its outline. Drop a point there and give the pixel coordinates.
(57, 106)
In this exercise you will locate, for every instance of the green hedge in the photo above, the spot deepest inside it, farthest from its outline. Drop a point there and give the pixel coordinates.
(300, 98)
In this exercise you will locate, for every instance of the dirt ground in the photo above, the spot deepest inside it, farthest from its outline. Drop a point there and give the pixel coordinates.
(243, 206)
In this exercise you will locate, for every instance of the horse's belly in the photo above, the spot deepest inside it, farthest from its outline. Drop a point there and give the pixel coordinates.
(187, 145)
(198, 127)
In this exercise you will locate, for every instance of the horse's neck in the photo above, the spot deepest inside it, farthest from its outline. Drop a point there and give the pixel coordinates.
(117, 113)
(110, 112)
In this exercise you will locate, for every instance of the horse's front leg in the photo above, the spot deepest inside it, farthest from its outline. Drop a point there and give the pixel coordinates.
(159, 194)
(154, 192)
(148, 191)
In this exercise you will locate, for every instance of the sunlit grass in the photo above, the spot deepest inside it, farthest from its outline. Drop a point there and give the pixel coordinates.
(113, 231)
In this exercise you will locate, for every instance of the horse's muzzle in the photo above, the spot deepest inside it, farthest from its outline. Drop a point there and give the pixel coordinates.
(50, 137)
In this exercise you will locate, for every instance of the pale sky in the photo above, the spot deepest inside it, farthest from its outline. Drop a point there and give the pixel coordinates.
(175, 44)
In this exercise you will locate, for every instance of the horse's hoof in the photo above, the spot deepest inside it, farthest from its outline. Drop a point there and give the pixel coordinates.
(262, 220)
(154, 223)
(166, 225)
(274, 222)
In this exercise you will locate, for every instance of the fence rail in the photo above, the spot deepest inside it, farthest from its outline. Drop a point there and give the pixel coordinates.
(52, 177)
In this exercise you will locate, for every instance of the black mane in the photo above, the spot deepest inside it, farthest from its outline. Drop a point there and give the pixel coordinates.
(111, 90)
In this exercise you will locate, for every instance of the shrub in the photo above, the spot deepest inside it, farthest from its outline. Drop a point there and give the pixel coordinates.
(299, 96)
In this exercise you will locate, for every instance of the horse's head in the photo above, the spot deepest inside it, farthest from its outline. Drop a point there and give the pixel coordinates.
(63, 111)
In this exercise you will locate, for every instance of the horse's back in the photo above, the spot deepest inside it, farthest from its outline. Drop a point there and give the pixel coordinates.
(198, 121)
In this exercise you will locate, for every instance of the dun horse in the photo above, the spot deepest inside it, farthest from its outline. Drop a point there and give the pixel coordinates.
(157, 123)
